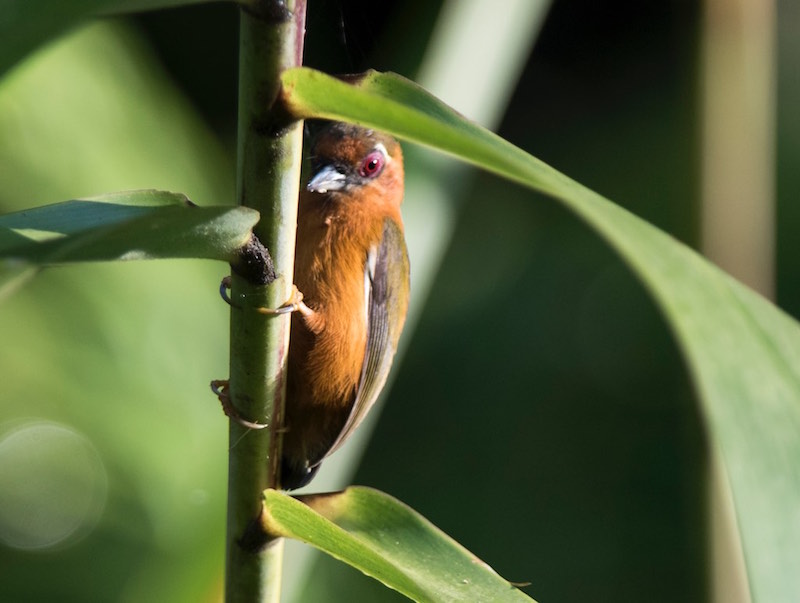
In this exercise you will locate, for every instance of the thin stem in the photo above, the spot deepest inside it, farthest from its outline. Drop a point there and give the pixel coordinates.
(268, 175)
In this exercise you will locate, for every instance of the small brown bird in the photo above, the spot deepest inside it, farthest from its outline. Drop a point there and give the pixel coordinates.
(352, 268)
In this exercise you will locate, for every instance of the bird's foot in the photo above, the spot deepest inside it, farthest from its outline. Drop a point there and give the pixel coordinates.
(293, 304)
(220, 388)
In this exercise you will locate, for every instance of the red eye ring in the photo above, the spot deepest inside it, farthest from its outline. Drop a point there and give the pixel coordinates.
(372, 164)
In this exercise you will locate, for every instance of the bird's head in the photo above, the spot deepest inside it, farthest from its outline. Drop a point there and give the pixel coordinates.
(356, 162)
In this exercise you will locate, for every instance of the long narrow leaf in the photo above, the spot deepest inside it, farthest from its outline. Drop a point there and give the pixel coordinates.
(389, 541)
(742, 352)
(142, 224)
(24, 24)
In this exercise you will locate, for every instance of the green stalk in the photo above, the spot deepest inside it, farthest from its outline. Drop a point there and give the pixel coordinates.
(268, 176)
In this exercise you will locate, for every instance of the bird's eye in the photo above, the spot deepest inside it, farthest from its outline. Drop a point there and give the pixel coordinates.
(372, 164)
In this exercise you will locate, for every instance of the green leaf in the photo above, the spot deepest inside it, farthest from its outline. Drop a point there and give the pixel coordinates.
(742, 352)
(145, 224)
(389, 541)
(25, 24)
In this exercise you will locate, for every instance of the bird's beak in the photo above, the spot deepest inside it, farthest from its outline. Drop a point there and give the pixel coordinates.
(328, 178)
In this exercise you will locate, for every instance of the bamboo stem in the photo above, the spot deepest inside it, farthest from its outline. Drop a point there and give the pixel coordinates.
(268, 176)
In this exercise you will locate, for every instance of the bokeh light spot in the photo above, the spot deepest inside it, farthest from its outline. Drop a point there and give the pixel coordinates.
(53, 486)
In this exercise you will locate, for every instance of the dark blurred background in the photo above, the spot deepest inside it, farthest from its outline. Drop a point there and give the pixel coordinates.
(541, 414)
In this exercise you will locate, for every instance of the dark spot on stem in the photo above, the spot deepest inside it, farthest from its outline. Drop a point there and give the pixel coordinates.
(256, 538)
(280, 120)
(254, 263)
(272, 11)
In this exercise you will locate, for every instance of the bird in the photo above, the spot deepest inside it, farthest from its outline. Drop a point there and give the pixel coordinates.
(352, 271)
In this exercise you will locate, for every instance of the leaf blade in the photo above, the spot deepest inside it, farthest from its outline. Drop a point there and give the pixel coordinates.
(25, 24)
(145, 224)
(389, 541)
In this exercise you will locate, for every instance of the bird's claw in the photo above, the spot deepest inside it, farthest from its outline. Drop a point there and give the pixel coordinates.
(220, 388)
(293, 304)
(224, 287)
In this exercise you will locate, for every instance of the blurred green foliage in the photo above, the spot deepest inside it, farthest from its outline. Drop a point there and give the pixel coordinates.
(109, 352)
(575, 413)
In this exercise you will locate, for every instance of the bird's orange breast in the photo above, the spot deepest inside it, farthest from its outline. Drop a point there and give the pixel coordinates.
(342, 344)
(327, 348)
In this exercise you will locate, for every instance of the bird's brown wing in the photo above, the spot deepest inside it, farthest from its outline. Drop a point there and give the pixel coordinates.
(386, 275)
